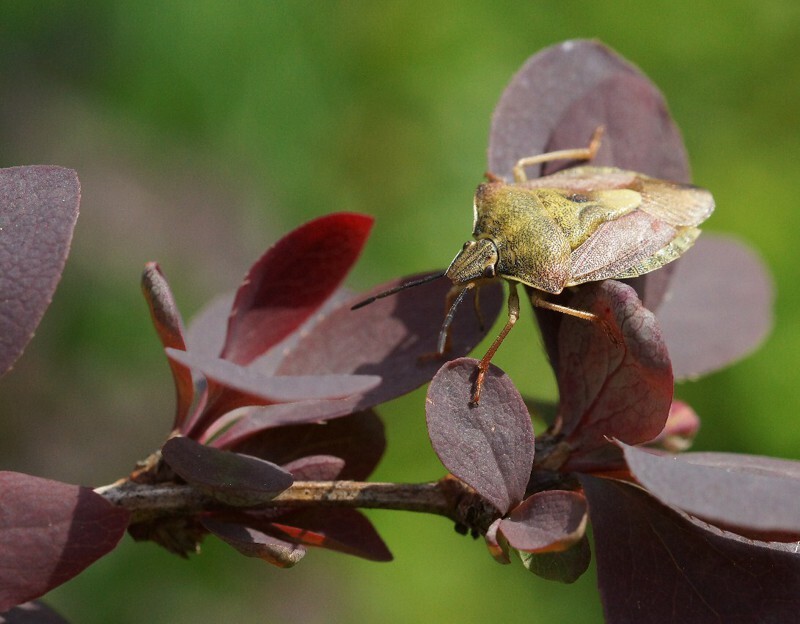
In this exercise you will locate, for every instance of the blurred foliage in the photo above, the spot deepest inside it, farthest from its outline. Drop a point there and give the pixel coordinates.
(204, 130)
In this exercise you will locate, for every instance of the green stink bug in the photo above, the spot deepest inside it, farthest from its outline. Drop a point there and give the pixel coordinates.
(578, 225)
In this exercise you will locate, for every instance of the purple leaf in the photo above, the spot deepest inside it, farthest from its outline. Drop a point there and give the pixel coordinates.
(290, 281)
(343, 530)
(169, 327)
(233, 478)
(206, 332)
(654, 287)
(38, 210)
(49, 532)
(496, 543)
(35, 612)
(285, 388)
(254, 543)
(393, 338)
(550, 521)
(611, 386)
(655, 565)
(566, 566)
(254, 420)
(680, 429)
(563, 93)
(755, 496)
(358, 439)
(719, 308)
(315, 468)
(488, 446)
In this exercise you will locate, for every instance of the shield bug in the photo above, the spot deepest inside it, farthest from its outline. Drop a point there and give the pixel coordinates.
(578, 225)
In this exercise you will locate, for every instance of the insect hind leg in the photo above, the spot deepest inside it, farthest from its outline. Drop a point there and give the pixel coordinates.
(539, 301)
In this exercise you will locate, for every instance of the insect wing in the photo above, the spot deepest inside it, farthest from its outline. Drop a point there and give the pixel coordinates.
(624, 247)
(657, 232)
(677, 204)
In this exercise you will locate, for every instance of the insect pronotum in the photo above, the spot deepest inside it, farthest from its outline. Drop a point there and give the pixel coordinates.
(579, 225)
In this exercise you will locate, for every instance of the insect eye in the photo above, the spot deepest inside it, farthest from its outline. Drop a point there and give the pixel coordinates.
(489, 271)
(468, 244)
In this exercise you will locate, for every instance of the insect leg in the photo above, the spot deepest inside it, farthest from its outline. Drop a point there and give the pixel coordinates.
(454, 297)
(483, 365)
(539, 301)
(578, 153)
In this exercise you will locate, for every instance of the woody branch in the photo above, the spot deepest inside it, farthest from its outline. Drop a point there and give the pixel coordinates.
(447, 497)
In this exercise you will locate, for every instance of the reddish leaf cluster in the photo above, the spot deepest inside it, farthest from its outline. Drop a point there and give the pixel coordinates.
(693, 537)
(274, 385)
(286, 355)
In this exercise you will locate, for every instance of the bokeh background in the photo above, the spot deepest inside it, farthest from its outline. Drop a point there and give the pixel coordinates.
(202, 131)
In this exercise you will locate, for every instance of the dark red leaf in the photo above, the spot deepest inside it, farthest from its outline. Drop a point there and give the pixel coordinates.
(35, 612)
(358, 439)
(394, 338)
(755, 496)
(49, 532)
(290, 281)
(233, 478)
(550, 521)
(488, 446)
(254, 543)
(38, 210)
(655, 565)
(343, 530)
(169, 327)
(315, 468)
(719, 308)
(278, 389)
(563, 93)
(611, 386)
(566, 566)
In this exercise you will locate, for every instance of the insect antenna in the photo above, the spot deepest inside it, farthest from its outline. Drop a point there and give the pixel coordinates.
(440, 346)
(397, 289)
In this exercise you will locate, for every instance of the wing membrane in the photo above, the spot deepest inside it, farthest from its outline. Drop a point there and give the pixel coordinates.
(677, 204)
(618, 245)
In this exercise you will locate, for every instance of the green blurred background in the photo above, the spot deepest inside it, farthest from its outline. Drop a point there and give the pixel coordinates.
(202, 131)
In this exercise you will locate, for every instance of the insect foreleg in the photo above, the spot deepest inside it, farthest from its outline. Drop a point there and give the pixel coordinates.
(578, 153)
(483, 365)
(454, 297)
